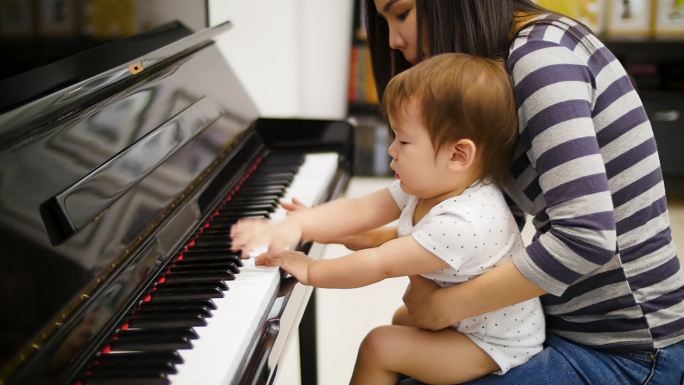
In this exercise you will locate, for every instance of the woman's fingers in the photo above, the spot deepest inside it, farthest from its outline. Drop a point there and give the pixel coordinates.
(417, 301)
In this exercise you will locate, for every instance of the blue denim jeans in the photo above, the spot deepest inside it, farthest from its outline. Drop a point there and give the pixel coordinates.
(565, 363)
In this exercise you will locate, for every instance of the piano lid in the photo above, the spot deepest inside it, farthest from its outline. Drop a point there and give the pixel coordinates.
(89, 171)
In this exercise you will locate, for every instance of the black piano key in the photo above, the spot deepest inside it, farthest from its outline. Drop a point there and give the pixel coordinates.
(141, 358)
(271, 177)
(242, 208)
(218, 228)
(187, 273)
(163, 295)
(167, 320)
(228, 215)
(159, 340)
(129, 377)
(104, 365)
(191, 276)
(196, 253)
(218, 283)
(206, 302)
(281, 158)
(285, 167)
(197, 287)
(114, 370)
(209, 255)
(218, 260)
(276, 188)
(235, 217)
(223, 229)
(225, 221)
(265, 182)
(155, 308)
(251, 197)
(263, 195)
(214, 249)
(213, 240)
(257, 193)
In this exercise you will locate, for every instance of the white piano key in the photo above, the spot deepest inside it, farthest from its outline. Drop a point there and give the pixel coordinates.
(310, 183)
(218, 352)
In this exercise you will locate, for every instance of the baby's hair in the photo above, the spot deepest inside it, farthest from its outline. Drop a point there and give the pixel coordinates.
(461, 97)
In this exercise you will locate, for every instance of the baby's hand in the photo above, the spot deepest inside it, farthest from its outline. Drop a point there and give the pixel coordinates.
(251, 234)
(294, 205)
(294, 262)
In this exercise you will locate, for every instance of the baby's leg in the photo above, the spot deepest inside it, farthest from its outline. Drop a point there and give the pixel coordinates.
(401, 317)
(442, 357)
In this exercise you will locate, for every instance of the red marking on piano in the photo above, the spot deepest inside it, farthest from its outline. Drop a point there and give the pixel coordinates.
(161, 280)
(107, 349)
(147, 298)
(125, 326)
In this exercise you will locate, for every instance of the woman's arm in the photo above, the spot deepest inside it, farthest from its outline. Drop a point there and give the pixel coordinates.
(434, 308)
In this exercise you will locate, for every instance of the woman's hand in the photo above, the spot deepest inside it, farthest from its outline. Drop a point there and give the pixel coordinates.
(250, 234)
(294, 262)
(419, 300)
(435, 308)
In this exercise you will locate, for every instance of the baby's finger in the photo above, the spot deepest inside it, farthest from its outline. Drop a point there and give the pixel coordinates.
(293, 205)
(288, 206)
(264, 260)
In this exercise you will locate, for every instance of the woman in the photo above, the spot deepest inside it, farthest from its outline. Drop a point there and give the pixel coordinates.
(586, 168)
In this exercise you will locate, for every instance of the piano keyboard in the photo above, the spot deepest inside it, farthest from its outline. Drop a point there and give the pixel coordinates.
(198, 322)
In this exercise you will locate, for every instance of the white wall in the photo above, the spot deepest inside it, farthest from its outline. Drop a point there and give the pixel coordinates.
(293, 55)
(151, 13)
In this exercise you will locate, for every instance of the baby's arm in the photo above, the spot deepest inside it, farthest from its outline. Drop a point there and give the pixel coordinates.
(364, 240)
(368, 239)
(399, 257)
(323, 223)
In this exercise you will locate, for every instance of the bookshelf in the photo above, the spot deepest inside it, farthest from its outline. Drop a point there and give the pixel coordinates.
(362, 95)
(372, 134)
(656, 66)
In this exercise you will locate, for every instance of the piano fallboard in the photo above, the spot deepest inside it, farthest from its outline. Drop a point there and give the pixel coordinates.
(106, 183)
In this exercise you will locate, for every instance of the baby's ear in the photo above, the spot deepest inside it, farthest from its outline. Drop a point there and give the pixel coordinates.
(462, 154)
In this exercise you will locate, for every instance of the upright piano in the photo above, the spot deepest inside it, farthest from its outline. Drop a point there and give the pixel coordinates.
(122, 169)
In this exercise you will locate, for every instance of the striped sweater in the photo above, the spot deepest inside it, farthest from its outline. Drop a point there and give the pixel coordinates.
(587, 170)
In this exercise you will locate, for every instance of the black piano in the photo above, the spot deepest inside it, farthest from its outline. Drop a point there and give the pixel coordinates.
(121, 170)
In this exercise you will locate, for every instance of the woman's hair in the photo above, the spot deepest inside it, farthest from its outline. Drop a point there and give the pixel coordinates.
(461, 97)
(476, 27)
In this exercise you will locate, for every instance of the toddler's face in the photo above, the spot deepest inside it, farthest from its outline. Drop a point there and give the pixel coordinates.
(414, 160)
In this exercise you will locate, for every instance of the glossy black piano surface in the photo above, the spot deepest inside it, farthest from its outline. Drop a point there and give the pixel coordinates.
(103, 183)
